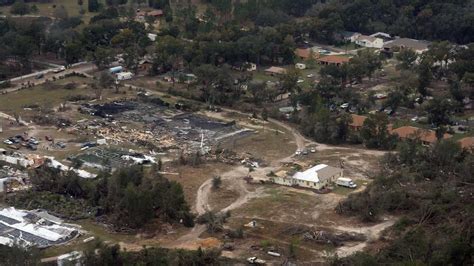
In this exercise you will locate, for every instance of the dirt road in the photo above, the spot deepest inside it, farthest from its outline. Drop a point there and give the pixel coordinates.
(18, 83)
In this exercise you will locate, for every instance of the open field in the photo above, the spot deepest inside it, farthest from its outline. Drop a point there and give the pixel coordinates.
(48, 9)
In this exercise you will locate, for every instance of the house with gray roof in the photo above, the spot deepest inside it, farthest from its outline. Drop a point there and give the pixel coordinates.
(406, 43)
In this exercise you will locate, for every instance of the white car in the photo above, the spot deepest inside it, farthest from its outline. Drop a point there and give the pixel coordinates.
(415, 119)
(313, 150)
(300, 81)
(298, 152)
(344, 105)
(8, 142)
(310, 75)
(59, 69)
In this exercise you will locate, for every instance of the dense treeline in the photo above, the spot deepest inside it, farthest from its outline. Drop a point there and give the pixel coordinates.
(129, 198)
(100, 254)
(433, 20)
(431, 189)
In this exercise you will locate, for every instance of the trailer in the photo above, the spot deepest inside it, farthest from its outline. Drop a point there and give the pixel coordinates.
(115, 70)
(124, 76)
(345, 182)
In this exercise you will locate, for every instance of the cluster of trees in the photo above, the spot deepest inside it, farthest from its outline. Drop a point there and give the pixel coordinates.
(432, 20)
(429, 188)
(99, 254)
(129, 197)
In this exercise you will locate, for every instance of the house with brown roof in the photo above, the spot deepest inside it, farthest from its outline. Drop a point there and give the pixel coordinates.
(467, 144)
(306, 53)
(357, 122)
(155, 13)
(333, 60)
(426, 136)
(275, 71)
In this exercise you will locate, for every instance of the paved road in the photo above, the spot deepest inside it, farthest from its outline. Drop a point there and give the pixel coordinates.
(18, 83)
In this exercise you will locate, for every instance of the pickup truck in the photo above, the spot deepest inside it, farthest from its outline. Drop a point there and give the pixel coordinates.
(255, 261)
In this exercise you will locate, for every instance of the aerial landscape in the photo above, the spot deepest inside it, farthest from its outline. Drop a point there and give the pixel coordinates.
(236, 132)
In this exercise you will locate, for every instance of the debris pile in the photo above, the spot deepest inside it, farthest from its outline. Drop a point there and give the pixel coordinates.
(323, 236)
(34, 228)
(335, 239)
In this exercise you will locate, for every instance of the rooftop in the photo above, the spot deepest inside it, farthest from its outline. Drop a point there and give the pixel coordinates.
(276, 70)
(357, 120)
(33, 228)
(467, 143)
(366, 38)
(426, 135)
(305, 53)
(407, 43)
(334, 59)
(317, 173)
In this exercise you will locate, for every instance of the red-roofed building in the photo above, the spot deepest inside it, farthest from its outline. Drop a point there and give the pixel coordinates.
(426, 136)
(333, 60)
(467, 144)
(357, 122)
(305, 53)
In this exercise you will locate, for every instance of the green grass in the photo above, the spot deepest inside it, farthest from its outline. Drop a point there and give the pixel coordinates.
(42, 95)
(348, 46)
(47, 9)
(260, 76)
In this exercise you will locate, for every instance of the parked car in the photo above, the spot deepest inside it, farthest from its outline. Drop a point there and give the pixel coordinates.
(344, 105)
(313, 150)
(8, 142)
(32, 147)
(33, 141)
(39, 76)
(14, 140)
(59, 69)
(310, 75)
(61, 145)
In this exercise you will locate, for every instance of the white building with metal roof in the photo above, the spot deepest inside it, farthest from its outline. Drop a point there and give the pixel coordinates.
(316, 177)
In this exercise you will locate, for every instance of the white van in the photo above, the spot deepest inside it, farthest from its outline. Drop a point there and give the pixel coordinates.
(345, 182)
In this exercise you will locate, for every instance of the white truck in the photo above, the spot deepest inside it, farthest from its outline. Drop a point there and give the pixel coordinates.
(345, 182)
(255, 261)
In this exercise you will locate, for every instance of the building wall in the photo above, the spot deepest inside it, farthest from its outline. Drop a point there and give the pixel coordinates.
(289, 181)
(378, 43)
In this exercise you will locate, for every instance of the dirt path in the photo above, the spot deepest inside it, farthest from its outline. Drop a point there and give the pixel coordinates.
(371, 232)
(237, 183)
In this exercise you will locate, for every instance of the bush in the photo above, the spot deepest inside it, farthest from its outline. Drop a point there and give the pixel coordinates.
(20, 8)
(216, 182)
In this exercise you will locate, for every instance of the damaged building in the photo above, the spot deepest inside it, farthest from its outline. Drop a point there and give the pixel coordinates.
(34, 228)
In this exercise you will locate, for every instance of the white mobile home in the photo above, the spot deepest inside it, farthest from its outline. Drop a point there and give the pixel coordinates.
(124, 75)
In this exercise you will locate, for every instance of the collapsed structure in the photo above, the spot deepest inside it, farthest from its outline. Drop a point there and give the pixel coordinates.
(33, 228)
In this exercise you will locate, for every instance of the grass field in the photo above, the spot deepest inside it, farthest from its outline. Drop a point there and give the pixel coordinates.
(49, 96)
(47, 9)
